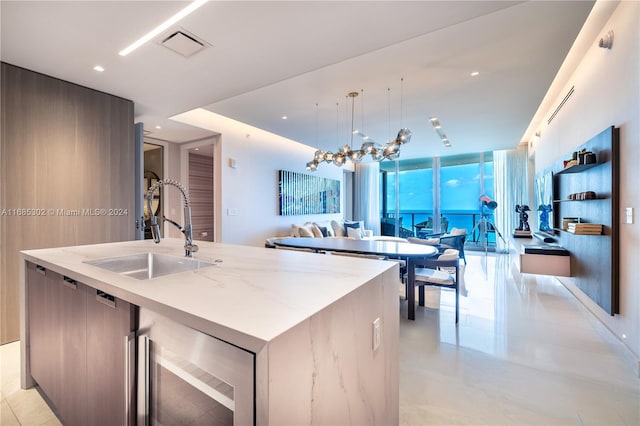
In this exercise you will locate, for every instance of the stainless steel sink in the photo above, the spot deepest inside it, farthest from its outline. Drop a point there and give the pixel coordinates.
(145, 266)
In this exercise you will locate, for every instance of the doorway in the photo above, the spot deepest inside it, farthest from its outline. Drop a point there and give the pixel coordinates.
(154, 170)
(200, 161)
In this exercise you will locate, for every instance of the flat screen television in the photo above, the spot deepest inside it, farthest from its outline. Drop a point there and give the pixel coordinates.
(543, 188)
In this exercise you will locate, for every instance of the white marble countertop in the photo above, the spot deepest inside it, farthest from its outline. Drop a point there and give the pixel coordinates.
(249, 298)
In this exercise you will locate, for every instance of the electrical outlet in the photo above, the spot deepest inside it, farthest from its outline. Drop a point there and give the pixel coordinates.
(232, 212)
(629, 213)
(376, 334)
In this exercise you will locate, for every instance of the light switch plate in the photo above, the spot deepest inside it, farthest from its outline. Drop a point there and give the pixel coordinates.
(629, 213)
(376, 334)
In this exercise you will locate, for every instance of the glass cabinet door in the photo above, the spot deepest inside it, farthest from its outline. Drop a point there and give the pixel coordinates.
(188, 377)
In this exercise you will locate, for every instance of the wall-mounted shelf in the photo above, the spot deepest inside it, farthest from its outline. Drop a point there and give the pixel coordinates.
(564, 231)
(579, 201)
(578, 168)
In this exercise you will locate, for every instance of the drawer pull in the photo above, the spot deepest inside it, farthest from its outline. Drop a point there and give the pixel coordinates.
(70, 282)
(41, 269)
(106, 298)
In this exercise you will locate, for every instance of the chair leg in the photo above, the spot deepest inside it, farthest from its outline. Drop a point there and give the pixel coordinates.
(457, 300)
(421, 295)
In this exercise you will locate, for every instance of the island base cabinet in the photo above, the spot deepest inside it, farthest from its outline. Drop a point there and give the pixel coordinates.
(109, 321)
(76, 348)
(43, 329)
(57, 310)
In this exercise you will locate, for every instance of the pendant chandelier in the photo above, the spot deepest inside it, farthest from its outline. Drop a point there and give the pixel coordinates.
(388, 151)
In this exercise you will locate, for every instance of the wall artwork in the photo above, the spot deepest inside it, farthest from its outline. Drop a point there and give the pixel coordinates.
(300, 194)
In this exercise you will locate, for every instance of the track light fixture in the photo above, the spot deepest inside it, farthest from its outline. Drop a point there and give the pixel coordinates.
(438, 128)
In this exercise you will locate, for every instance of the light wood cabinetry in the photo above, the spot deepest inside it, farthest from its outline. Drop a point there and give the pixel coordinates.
(76, 347)
(109, 321)
(71, 307)
(43, 328)
(65, 148)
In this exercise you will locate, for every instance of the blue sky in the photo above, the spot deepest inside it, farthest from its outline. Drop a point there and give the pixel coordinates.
(460, 187)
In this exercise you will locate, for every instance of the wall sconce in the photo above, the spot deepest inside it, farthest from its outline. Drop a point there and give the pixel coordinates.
(606, 42)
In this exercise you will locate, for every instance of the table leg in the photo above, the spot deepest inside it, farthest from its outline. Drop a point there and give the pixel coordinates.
(411, 289)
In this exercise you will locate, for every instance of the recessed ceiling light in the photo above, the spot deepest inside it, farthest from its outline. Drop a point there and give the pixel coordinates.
(197, 149)
(160, 28)
(475, 73)
(158, 127)
(98, 68)
(284, 117)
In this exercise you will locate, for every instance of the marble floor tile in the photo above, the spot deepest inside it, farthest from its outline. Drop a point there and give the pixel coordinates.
(7, 418)
(525, 352)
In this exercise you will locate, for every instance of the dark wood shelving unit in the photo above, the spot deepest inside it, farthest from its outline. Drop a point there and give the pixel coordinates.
(594, 263)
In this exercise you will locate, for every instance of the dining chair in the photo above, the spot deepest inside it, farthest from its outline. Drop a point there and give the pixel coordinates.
(442, 271)
(455, 240)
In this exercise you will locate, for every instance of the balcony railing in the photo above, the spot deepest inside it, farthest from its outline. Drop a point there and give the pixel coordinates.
(454, 219)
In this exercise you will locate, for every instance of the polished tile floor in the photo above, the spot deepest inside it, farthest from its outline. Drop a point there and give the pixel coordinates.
(524, 353)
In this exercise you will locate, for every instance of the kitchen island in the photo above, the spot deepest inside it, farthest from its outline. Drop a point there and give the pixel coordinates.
(308, 320)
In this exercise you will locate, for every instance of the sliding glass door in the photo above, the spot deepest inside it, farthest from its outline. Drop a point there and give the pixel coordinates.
(436, 195)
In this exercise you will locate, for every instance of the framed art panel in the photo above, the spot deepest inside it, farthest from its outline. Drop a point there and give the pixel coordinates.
(301, 194)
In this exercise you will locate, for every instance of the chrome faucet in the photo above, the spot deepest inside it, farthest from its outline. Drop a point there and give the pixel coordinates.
(187, 230)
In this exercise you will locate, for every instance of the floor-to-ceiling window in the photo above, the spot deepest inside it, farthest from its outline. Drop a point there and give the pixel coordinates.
(436, 195)
(415, 189)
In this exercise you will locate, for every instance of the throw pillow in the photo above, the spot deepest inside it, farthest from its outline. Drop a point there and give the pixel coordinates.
(323, 230)
(354, 225)
(315, 229)
(338, 229)
(295, 230)
(354, 233)
(306, 231)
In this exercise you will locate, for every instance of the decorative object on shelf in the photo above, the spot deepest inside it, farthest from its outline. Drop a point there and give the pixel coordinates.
(567, 220)
(580, 158)
(306, 194)
(544, 210)
(388, 151)
(581, 196)
(584, 228)
(523, 230)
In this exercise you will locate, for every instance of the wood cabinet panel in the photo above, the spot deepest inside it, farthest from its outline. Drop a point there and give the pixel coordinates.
(73, 353)
(201, 193)
(42, 358)
(108, 324)
(64, 148)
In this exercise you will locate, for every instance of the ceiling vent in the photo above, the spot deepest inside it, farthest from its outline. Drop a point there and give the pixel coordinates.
(184, 43)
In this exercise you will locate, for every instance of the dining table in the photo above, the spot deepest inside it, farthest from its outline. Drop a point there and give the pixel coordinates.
(389, 249)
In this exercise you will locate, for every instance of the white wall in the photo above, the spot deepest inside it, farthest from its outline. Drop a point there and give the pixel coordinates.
(251, 189)
(607, 92)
